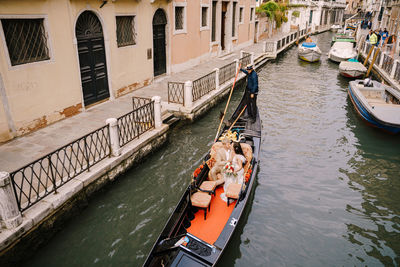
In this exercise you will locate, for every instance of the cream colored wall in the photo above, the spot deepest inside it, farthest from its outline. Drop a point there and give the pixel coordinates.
(43, 92)
(38, 93)
(246, 30)
(4, 129)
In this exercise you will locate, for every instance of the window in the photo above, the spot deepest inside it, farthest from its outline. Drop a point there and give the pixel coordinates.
(251, 13)
(126, 34)
(26, 40)
(234, 19)
(179, 18)
(241, 14)
(214, 18)
(310, 20)
(204, 16)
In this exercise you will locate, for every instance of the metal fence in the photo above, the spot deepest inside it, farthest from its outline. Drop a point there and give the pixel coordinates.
(378, 56)
(42, 177)
(139, 101)
(135, 123)
(227, 72)
(397, 72)
(176, 92)
(387, 63)
(245, 60)
(269, 47)
(204, 85)
(368, 47)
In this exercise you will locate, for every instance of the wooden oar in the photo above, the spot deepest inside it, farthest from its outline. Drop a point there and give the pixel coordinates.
(227, 104)
(240, 114)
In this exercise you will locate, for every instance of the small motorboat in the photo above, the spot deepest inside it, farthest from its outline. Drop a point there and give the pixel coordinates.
(352, 69)
(343, 37)
(376, 103)
(342, 51)
(309, 51)
(335, 27)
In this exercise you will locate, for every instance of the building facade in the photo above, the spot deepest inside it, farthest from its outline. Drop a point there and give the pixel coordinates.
(60, 57)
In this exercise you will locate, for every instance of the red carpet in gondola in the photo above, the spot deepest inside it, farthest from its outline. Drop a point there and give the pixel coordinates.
(210, 229)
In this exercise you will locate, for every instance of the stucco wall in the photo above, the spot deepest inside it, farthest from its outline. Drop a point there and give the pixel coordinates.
(38, 93)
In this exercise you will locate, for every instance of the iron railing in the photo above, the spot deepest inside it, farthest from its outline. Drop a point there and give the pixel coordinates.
(397, 72)
(387, 63)
(135, 123)
(378, 56)
(227, 72)
(269, 47)
(176, 92)
(42, 177)
(139, 101)
(203, 85)
(245, 60)
(368, 47)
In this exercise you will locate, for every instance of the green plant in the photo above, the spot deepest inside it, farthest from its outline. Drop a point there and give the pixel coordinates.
(274, 11)
(296, 14)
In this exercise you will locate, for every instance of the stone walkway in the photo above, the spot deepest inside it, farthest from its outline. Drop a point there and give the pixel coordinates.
(25, 149)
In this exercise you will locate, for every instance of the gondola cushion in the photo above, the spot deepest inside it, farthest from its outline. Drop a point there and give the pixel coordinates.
(201, 199)
(233, 190)
(208, 185)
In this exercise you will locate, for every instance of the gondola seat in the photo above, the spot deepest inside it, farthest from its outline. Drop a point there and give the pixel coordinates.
(202, 201)
(233, 192)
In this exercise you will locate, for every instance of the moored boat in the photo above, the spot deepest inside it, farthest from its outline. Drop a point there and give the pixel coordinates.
(335, 27)
(309, 51)
(377, 104)
(352, 69)
(342, 51)
(202, 224)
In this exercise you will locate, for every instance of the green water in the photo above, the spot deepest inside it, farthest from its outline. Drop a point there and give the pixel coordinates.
(328, 189)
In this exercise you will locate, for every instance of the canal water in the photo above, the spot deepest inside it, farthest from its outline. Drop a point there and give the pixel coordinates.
(328, 189)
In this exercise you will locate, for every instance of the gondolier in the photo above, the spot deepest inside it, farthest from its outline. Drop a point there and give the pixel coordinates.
(251, 93)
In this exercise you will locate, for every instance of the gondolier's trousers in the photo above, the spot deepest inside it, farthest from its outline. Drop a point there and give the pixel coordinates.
(251, 109)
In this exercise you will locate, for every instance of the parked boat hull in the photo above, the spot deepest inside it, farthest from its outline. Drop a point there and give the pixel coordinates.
(368, 112)
(337, 58)
(352, 74)
(309, 54)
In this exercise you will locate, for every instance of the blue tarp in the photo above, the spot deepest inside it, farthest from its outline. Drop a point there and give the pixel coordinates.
(309, 45)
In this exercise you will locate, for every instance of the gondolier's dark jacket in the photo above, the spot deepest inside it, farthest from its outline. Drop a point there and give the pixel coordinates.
(252, 81)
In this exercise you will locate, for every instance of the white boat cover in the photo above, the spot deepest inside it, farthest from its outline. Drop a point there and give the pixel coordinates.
(352, 66)
(343, 50)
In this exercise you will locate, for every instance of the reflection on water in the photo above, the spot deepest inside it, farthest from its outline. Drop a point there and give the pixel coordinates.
(328, 189)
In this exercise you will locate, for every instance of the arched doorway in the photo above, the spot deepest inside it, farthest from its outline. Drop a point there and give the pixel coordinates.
(92, 58)
(159, 51)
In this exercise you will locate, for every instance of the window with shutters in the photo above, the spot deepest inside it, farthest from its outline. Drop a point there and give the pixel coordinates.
(126, 34)
(204, 16)
(241, 15)
(26, 40)
(213, 21)
(234, 19)
(251, 14)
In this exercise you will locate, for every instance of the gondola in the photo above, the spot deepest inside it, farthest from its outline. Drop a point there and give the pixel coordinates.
(198, 236)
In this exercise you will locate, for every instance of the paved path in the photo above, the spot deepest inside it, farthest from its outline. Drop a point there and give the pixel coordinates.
(23, 150)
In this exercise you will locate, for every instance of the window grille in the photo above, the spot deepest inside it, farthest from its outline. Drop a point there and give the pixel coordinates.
(204, 12)
(26, 40)
(179, 18)
(234, 19)
(251, 13)
(241, 14)
(214, 16)
(126, 34)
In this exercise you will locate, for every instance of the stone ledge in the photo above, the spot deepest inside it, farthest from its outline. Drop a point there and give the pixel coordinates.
(81, 186)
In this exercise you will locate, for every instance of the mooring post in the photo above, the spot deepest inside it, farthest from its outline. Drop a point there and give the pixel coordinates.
(9, 211)
(157, 111)
(114, 137)
(216, 78)
(188, 94)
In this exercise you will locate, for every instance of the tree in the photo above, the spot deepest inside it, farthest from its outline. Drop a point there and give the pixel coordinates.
(275, 11)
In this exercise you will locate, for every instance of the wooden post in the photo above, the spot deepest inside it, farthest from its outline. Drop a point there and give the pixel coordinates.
(372, 62)
(369, 54)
